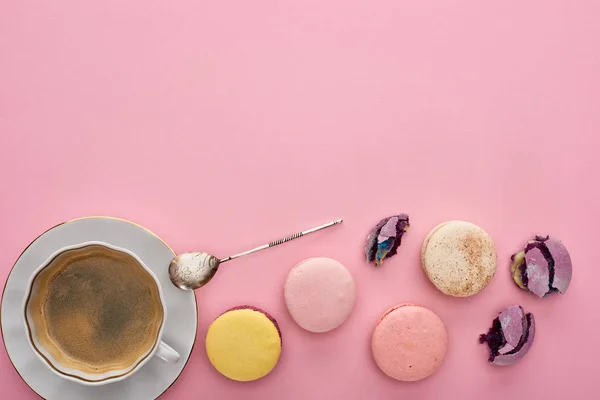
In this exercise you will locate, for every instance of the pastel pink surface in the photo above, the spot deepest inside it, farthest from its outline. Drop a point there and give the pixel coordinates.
(223, 125)
(319, 293)
(409, 343)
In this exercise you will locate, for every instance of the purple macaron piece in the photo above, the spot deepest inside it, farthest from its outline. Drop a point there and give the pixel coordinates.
(543, 267)
(385, 238)
(538, 272)
(563, 269)
(510, 336)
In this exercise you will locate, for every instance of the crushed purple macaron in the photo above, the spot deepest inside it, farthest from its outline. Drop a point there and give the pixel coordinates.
(543, 267)
(510, 337)
(385, 238)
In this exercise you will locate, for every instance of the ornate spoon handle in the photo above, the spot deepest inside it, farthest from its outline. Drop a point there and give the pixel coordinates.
(280, 241)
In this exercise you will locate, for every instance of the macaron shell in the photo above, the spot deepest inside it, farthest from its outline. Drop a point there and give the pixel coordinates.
(389, 310)
(372, 239)
(563, 268)
(243, 344)
(459, 258)
(538, 274)
(319, 294)
(427, 238)
(513, 328)
(409, 343)
(389, 228)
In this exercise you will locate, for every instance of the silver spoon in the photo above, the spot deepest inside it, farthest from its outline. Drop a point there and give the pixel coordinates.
(193, 270)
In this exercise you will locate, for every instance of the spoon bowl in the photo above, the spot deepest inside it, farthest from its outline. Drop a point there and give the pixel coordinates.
(189, 271)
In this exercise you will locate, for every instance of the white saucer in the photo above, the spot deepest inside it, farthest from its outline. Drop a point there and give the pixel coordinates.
(154, 378)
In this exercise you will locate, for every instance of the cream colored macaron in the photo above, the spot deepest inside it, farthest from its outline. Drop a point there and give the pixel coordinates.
(459, 258)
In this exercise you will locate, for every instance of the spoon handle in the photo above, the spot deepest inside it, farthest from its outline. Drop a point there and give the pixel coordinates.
(282, 240)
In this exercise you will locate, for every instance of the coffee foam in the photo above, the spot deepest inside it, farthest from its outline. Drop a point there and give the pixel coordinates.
(95, 309)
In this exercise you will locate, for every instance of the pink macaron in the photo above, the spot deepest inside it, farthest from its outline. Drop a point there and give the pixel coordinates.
(409, 342)
(319, 294)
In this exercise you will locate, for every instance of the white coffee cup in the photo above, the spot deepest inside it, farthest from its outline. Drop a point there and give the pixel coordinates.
(157, 348)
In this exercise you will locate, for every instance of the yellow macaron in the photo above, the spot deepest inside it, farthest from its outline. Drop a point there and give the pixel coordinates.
(244, 343)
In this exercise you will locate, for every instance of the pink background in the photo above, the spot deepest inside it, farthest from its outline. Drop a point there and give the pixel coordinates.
(220, 125)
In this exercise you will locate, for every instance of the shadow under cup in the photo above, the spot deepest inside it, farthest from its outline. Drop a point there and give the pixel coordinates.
(94, 313)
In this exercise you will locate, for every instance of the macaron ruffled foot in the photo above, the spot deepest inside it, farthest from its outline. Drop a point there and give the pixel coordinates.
(543, 267)
(384, 239)
(510, 336)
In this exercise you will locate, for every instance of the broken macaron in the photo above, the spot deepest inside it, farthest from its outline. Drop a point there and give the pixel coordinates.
(543, 267)
(510, 337)
(385, 238)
